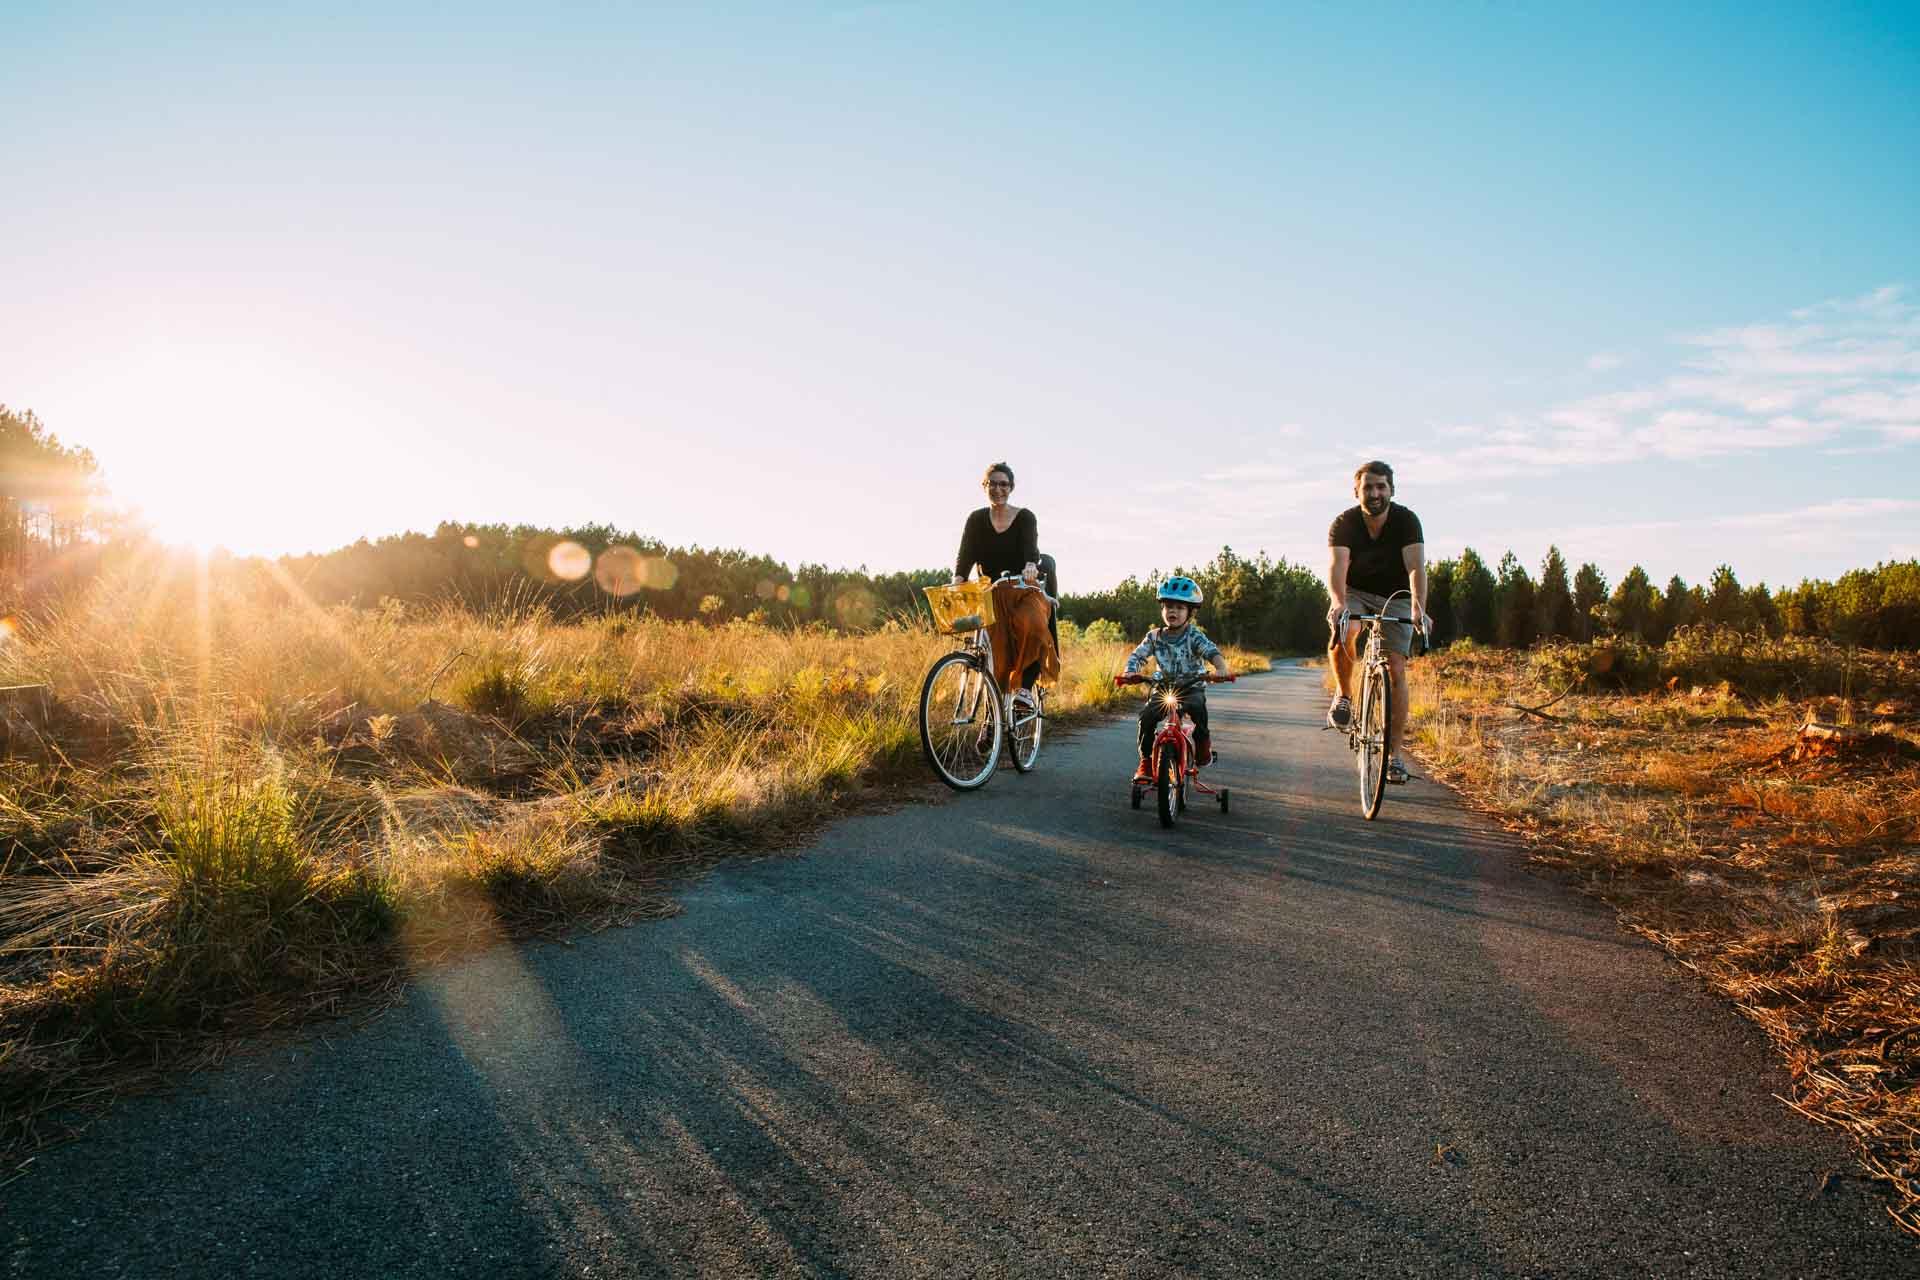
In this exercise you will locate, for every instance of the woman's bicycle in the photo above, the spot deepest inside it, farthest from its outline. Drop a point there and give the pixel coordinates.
(1172, 763)
(1368, 728)
(965, 719)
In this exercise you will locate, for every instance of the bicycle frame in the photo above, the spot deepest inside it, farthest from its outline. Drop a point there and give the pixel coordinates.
(1018, 718)
(1175, 734)
(1375, 680)
(1173, 744)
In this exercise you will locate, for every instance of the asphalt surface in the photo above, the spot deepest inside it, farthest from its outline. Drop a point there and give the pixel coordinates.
(1023, 1032)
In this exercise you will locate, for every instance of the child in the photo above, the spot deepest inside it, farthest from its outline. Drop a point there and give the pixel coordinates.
(1180, 650)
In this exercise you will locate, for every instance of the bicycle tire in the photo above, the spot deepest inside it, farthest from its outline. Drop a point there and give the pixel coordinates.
(1376, 714)
(1164, 787)
(1024, 726)
(955, 698)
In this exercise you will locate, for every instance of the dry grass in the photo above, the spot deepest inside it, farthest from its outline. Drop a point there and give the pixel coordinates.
(1793, 887)
(245, 812)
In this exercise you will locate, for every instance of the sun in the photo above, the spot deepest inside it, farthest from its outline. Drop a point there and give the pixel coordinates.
(236, 451)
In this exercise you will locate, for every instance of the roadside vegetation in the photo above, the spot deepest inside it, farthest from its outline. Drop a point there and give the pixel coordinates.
(1681, 785)
(220, 812)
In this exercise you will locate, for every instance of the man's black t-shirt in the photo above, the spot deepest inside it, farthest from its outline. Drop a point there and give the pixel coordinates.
(1377, 565)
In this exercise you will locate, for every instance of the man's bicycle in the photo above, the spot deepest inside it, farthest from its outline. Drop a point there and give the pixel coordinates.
(965, 719)
(1367, 729)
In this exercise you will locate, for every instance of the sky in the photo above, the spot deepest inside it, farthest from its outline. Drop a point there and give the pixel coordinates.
(1642, 282)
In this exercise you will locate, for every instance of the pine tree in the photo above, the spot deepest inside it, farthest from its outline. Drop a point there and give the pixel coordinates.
(1589, 593)
(1636, 605)
(44, 489)
(1473, 591)
(1440, 602)
(1514, 600)
(1553, 603)
(1679, 607)
(1762, 610)
(1726, 601)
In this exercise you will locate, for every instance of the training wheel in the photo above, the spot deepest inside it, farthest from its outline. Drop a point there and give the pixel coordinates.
(1223, 799)
(1136, 797)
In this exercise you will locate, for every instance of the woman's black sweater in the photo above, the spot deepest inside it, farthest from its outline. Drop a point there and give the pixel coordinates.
(998, 553)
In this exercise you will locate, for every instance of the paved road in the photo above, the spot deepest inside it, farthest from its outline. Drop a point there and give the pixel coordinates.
(1022, 1033)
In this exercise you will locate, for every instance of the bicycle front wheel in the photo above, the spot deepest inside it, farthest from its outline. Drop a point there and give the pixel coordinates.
(1166, 786)
(961, 722)
(1376, 713)
(1024, 723)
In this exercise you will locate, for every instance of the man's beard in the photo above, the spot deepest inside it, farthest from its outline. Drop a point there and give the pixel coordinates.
(1374, 506)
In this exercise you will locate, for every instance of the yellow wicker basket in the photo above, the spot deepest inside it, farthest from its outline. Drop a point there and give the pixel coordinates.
(963, 608)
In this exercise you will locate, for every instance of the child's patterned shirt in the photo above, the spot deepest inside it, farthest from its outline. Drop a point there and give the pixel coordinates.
(1184, 653)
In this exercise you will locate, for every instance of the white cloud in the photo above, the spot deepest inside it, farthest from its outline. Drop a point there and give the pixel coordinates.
(1841, 370)
(1602, 361)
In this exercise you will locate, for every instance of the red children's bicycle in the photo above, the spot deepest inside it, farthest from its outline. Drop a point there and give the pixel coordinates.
(1173, 764)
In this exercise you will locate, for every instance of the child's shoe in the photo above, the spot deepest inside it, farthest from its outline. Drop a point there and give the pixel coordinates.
(1202, 752)
(1142, 778)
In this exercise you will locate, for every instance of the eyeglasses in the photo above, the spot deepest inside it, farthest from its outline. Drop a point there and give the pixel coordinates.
(997, 484)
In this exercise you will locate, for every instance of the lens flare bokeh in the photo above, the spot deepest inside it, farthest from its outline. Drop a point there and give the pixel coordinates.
(856, 608)
(569, 561)
(620, 571)
(657, 573)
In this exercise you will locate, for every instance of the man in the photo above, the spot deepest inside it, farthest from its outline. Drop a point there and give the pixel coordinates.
(1378, 549)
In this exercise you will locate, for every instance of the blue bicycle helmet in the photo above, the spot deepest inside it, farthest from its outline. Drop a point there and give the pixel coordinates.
(1181, 591)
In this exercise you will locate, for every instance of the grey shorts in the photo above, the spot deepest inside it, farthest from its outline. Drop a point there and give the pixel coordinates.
(1396, 636)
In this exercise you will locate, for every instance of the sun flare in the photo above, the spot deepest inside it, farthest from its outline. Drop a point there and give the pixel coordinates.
(241, 451)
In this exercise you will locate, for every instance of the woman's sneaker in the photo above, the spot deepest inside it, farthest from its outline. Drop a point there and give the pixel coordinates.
(1340, 714)
(1396, 771)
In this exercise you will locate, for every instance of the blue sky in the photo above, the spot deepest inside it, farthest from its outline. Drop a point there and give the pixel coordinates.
(1640, 281)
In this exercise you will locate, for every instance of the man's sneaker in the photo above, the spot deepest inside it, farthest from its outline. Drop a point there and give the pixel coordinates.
(1340, 714)
(1396, 772)
(1141, 778)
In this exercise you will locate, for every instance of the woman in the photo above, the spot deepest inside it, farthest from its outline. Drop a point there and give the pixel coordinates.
(1002, 538)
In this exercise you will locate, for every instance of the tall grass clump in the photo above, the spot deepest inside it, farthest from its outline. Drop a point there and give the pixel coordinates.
(1751, 664)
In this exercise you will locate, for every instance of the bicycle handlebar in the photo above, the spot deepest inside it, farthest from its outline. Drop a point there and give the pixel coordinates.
(1384, 617)
(1124, 679)
(1020, 581)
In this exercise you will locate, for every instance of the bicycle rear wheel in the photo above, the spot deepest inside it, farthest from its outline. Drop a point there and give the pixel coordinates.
(1376, 713)
(1024, 724)
(961, 722)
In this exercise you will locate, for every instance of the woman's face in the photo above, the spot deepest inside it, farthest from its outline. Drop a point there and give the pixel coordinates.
(998, 485)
